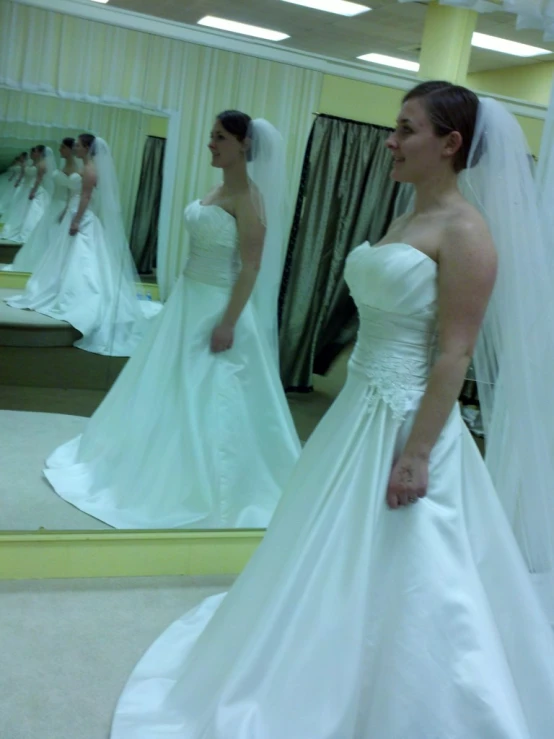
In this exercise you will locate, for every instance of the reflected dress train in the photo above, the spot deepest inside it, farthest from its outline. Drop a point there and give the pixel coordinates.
(186, 437)
(354, 621)
(79, 281)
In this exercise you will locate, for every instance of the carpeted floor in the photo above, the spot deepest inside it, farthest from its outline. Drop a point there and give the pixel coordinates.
(27, 502)
(68, 647)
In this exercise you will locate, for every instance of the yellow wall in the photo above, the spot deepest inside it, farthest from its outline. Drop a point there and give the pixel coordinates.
(532, 128)
(531, 82)
(359, 101)
(157, 126)
(369, 103)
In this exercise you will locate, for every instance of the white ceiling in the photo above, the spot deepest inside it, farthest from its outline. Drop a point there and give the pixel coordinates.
(390, 28)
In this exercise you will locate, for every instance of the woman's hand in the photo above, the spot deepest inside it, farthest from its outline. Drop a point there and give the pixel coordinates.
(222, 338)
(31, 196)
(74, 228)
(408, 481)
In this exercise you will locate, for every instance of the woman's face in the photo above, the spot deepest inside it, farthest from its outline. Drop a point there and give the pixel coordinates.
(225, 148)
(417, 152)
(80, 150)
(65, 151)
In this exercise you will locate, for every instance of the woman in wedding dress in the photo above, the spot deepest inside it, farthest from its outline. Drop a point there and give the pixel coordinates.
(196, 432)
(15, 182)
(7, 180)
(32, 197)
(41, 192)
(50, 227)
(389, 598)
(88, 277)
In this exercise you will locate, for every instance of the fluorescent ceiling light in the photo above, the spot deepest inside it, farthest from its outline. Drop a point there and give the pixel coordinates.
(391, 61)
(494, 43)
(223, 25)
(340, 7)
(100, 1)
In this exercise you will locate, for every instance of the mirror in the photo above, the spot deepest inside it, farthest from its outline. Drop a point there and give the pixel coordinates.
(51, 386)
(47, 376)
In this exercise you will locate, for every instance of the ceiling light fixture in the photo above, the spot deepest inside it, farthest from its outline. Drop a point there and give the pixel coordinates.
(339, 7)
(494, 43)
(224, 25)
(100, 1)
(391, 61)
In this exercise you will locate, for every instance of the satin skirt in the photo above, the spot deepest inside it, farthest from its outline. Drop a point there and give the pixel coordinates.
(354, 621)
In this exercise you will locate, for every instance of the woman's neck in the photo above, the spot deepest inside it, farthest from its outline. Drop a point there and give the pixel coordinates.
(235, 178)
(436, 191)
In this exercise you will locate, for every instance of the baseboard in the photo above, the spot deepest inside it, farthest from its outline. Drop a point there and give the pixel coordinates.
(18, 280)
(49, 555)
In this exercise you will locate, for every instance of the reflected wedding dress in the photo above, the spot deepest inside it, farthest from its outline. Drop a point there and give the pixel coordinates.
(7, 186)
(23, 213)
(186, 437)
(79, 281)
(47, 229)
(354, 621)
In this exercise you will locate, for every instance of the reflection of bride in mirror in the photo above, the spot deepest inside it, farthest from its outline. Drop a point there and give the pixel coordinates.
(51, 225)
(88, 277)
(8, 180)
(196, 432)
(27, 210)
(15, 186)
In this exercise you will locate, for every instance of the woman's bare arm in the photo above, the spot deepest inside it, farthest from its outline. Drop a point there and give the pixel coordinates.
(467, 271)
(251, 233)
(89, 182)
(41, 171)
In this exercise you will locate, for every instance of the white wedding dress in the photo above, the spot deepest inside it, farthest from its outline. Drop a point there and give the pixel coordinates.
(19, 206)
(7, 186)
(7, 197)
(352, 620)
(78, 280)
(187, 438)
(47, 229)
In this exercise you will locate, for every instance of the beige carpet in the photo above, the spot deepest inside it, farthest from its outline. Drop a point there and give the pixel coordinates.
(68, 647)
(28, 503)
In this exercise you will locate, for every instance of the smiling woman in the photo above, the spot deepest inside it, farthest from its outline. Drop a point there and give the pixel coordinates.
(220, 441)
(390, 534)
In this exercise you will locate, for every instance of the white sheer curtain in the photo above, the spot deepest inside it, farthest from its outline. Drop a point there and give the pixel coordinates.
(76, 59)
(43, 118)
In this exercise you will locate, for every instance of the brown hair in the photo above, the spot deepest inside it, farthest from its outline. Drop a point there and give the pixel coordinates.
(238, 124)
(87, 140)
(235, 123)
(450, 108)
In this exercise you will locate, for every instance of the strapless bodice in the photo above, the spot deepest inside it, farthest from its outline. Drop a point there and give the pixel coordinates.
(395, 290)
(30, 174)
(214, 256)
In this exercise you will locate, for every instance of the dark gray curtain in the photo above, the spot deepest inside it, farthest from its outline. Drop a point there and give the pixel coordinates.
(346, 197)
(144, 230)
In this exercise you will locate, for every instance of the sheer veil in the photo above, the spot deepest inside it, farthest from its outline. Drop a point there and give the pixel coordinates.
(108, 209)
(267, 173)
(515, 351)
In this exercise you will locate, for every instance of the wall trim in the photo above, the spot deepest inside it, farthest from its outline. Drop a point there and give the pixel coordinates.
(18, 281)
(29, 555)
